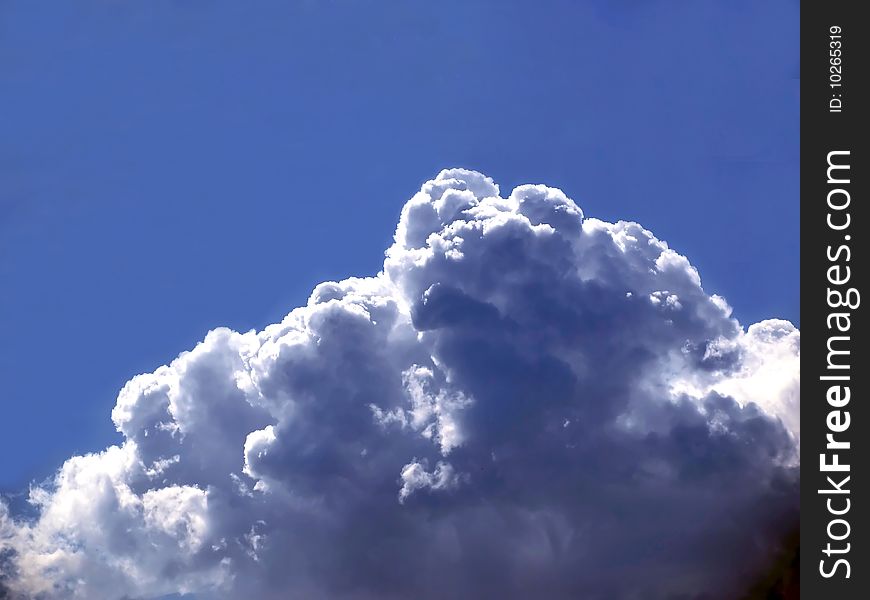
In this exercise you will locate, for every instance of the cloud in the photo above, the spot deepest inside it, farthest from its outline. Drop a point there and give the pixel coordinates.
(523, 403)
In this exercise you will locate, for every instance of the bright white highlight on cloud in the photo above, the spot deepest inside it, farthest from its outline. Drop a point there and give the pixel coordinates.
(523, 403)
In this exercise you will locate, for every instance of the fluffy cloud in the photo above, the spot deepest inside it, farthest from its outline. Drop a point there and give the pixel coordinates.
(523, 403)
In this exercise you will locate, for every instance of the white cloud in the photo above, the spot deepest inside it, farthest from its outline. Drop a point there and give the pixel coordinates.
(595, 419)
(416, 477)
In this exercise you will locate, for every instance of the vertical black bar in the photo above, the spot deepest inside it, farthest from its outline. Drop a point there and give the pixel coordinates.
(834, 226)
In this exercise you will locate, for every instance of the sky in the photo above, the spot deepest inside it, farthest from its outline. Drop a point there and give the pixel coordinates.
(170, 167)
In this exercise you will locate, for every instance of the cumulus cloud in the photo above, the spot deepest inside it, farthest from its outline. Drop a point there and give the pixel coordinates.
(524, 402)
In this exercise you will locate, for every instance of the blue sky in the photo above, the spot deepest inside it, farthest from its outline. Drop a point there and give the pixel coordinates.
(167, 167)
